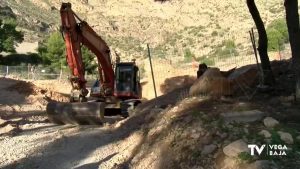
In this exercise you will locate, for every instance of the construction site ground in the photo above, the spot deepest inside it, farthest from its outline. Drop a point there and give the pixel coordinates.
(172, 131)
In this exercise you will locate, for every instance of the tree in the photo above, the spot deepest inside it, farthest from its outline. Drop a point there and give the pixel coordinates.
(88, 60)
(52, 50)
(9, 35)
(292, 19)
(278, 35)
(53, 53)
(268, 78)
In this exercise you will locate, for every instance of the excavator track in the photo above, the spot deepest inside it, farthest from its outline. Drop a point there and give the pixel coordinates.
(79, 113)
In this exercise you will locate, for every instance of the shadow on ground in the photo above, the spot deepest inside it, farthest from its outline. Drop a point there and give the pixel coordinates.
(67, 151)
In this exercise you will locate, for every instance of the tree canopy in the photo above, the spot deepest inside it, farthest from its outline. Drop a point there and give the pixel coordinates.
(9, 35)
(53, 52)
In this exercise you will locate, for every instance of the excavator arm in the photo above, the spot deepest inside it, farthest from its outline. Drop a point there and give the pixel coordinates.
(77, 33)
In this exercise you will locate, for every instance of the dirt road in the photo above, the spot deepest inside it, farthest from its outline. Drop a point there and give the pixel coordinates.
(64, 147)
(33, 142)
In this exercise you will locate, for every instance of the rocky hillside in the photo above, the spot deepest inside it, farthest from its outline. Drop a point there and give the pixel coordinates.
(173, 28)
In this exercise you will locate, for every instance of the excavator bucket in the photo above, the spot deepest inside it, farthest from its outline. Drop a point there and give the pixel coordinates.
(76, 113)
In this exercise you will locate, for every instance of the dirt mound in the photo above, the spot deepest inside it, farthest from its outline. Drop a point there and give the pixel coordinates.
(33, 92)
(246, 76)
(23, 87)
(191, 132)
(177, 82)
(213, 83)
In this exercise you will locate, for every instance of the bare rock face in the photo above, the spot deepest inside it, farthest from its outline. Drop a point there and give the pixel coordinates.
(235, 148)
(211, 83)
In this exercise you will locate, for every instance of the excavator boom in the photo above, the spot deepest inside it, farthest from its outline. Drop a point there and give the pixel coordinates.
(77, 33)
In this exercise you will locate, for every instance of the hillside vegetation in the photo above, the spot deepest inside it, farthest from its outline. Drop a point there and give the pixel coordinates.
(172, 28)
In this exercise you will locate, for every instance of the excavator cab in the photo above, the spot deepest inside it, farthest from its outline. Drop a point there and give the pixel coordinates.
(127, 81)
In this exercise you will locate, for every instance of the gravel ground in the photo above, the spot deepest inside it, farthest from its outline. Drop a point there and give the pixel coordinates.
(36, 143)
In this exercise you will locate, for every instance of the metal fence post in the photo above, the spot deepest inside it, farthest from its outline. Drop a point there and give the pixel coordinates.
(6, 71)
(153, 80)
(60, 74)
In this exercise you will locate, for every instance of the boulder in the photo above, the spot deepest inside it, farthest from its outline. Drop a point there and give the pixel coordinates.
(235, 148)
(265, 133)
(270, 122)
(243, 117)
(286, 137)
(211, 83)
(208, 149)
(227, 163)
(244, 76)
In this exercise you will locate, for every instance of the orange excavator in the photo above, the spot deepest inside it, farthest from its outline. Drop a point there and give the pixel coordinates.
(114, 91)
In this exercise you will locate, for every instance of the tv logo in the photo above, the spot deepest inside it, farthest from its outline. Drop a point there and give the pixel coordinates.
(272, 150)
(258, 149)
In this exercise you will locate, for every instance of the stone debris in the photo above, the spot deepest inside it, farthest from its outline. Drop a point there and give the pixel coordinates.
(235, 148)
(243, 117)
(270, 122)
(265, 133)
(286, 137)
(262, 164)
(208, 149)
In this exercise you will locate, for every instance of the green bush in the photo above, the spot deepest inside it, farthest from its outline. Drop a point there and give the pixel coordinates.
(208, 61)
(21, 59)
(229, 44)
(225, 50)
(245, 157)
(214, 33)
(188, 55)
(159, 51)
(277, 35)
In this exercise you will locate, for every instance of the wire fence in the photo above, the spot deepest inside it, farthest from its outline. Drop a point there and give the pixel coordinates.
(32, 72)
(38, 73)
(167, 68)
(163, 68)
